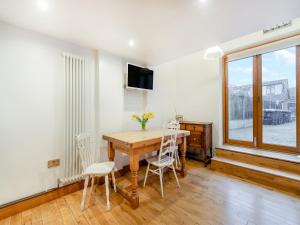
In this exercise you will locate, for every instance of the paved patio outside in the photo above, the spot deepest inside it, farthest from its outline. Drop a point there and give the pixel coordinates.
(284, 134)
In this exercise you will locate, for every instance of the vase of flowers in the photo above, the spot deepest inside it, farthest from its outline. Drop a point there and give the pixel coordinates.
(143, 119)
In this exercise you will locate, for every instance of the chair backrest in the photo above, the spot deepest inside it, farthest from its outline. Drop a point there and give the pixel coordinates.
(83, 145)
(169, 140)
(173, 125)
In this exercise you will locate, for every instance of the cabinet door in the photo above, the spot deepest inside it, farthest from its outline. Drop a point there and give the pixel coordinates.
(195, 140)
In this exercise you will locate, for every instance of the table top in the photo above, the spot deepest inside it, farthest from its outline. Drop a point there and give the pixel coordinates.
(195, 122)
(133, 137)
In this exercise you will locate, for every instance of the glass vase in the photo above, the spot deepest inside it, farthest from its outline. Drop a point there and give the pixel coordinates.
(143, 125)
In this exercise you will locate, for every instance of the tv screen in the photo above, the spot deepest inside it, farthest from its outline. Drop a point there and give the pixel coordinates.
(138, 77)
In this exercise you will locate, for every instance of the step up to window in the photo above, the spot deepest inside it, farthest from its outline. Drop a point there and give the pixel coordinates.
(264, 158)
(282, 180)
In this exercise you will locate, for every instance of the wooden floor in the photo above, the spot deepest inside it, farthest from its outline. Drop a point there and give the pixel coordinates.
(205, 198)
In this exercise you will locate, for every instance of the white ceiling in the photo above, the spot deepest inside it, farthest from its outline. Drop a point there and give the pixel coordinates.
(161, 29)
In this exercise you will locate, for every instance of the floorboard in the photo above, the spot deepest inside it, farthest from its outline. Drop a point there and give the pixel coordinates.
(205, 198)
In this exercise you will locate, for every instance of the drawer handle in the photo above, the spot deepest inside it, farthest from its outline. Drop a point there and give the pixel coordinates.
(195, 139)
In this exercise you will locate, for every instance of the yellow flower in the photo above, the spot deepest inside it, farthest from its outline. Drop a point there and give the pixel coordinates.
(135, 117)
(150, 115)
(144, 116)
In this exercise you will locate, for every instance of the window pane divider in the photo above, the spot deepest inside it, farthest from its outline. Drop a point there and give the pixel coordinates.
(298, 97)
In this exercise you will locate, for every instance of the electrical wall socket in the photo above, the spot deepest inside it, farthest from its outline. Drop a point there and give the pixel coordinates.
(53, 163)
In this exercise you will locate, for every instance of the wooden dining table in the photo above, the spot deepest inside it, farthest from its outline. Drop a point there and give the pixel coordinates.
(137, 143)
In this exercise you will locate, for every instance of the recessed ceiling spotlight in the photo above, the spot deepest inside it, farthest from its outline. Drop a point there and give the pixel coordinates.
(42, 5)
(131, 43)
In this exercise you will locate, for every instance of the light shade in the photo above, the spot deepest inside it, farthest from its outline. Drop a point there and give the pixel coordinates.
(131, 43)
(213, 53)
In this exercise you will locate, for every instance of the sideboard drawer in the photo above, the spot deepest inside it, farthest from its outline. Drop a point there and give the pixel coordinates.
(194, 127)
(182, 126)
(198, 128)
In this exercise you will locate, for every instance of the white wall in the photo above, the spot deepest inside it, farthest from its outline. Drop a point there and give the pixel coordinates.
(162, 101)
(196, 88)
(258, 37)
(197, 95)
(32, 110)
(111, 98)
(117, 104)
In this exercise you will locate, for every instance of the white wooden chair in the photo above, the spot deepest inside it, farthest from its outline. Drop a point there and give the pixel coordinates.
(173, 125)
(165, 157)
(92, 169)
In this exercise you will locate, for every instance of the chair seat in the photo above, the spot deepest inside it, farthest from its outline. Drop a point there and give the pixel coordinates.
(164, 161)
(99, 168)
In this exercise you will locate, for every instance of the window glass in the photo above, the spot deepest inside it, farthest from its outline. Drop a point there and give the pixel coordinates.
(240, 99)
(279, 100)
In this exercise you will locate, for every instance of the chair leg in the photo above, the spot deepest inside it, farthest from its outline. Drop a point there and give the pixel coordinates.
(107, 192)
(92, 187)
(161, 182)
(174, 171)
(114, 180)
(177, 160)
(146, 175)
(86, 182)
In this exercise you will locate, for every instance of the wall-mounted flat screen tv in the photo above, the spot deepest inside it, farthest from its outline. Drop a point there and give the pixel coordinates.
(139, 77)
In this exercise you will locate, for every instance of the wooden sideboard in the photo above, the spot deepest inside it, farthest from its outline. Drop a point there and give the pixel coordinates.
(199, 143)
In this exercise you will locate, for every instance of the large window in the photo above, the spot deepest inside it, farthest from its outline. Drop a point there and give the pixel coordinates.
(261, 94)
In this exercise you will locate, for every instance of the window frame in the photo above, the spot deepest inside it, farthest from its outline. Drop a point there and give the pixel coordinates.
(257, 107)
(226, 100)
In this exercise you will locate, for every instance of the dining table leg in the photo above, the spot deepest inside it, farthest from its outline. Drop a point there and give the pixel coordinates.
(182, 148)
(111, 157)
(110, 151)
(134, 167)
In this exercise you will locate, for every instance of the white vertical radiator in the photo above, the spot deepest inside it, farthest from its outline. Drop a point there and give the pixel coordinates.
(75, 114)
